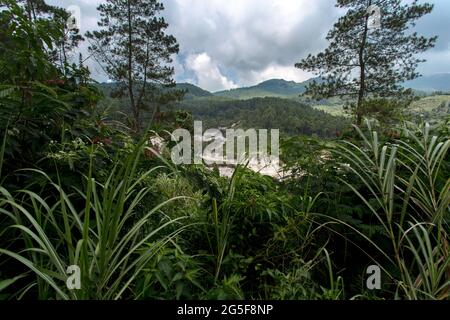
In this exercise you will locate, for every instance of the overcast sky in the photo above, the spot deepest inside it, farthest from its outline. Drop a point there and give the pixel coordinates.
(230, 43)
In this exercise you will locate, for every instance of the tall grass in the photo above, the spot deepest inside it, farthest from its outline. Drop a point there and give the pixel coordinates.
(408, 192)
(222, 219)
(103, 236)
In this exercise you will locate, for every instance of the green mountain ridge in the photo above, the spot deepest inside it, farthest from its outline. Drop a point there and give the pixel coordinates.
(290, 116)
(192, 91)
(269, 88)
(428, 102)
(280, 88)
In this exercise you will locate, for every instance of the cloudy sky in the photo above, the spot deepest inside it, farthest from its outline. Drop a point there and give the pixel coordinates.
(230, 43)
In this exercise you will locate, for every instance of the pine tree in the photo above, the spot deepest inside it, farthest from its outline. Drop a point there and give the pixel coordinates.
(36, 8)
(134, 49)
(70, 37)
(366, 59)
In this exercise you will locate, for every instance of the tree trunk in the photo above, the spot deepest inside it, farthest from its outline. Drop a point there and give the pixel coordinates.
(134, 107)
(141, 96)
(362, 67)
(29, 10)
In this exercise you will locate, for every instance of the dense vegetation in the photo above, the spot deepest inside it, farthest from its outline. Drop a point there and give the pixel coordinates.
(80, 186)
(290, 116)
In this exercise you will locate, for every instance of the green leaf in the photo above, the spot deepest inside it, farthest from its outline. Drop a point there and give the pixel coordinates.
(7, 282)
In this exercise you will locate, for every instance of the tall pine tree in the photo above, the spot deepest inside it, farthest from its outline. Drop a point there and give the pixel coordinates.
(134, 49)
(363, 61)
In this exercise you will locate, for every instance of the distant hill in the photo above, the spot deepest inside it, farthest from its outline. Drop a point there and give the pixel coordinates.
(107, 87)
(288, 115)
(280, 88)
(431, 108)
(431, 83)
(289, 89)
(271, 88)
(193, 91)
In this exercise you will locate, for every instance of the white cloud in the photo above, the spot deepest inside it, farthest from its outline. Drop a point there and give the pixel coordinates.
(253, 40)
(273, 71)
(207, 73)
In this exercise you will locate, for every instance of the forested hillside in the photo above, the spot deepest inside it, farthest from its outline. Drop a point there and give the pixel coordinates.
(269, 88)
(291, 117)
